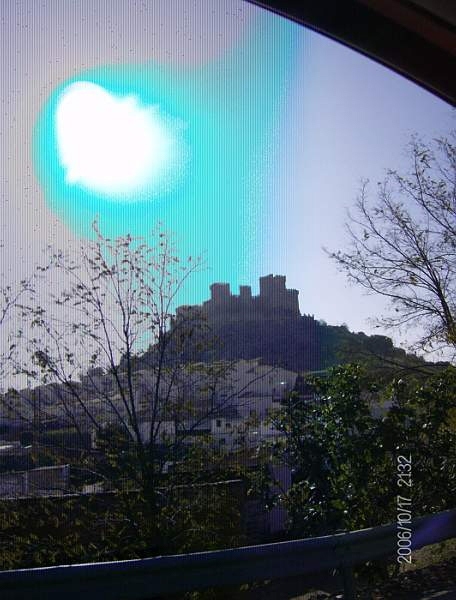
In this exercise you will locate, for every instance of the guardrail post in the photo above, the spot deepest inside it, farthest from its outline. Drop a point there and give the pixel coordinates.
(349, 582)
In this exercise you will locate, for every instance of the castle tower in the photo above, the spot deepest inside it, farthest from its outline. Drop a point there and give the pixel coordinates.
(293, 302)
(245, 293)
(271, 285)
(220, 292)
(274, 296)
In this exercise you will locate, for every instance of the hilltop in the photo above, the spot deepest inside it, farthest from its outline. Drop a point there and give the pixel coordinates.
(270, 326)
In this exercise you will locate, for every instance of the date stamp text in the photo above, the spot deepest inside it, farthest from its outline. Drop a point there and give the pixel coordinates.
(404, 509)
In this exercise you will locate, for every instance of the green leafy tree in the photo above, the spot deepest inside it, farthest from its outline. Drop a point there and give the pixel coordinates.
(39, 532)
(343, 459)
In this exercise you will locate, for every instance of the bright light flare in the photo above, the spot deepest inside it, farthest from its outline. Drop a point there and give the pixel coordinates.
(114, 146)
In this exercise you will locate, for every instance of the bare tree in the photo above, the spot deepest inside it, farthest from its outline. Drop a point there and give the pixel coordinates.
(403, 244)
(15, 301)
(117, 299)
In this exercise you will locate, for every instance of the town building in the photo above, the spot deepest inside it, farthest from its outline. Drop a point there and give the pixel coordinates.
(43, 481)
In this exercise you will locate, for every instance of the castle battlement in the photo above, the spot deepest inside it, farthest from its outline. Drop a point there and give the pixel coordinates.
(274, 301)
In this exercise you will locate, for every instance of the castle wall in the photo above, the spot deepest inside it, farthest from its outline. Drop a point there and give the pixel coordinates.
(273, 301)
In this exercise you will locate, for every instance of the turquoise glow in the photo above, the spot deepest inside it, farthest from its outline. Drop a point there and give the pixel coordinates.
(115, 146)
(231, 110)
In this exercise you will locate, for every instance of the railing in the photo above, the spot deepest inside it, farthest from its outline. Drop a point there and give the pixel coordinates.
(163, 575)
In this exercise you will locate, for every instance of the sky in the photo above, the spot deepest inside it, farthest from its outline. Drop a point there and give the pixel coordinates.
(246, 134)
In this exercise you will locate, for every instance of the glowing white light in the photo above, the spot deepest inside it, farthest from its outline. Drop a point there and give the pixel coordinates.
(113, 145)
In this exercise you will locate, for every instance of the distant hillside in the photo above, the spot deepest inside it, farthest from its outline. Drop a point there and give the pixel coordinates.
(270, 326)
(302, 344)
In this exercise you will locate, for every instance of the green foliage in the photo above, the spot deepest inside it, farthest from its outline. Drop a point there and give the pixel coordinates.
(183, 510)
(420, 423)
(344, 460)
(117, 526)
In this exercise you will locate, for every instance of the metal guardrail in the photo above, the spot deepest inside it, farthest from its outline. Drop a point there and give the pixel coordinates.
(163, 575)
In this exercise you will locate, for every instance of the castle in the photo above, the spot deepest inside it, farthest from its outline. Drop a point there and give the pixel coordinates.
(269, 327)
(274, 301)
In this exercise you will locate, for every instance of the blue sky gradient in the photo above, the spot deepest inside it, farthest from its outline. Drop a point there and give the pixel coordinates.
(230, 109)
(281, 125)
